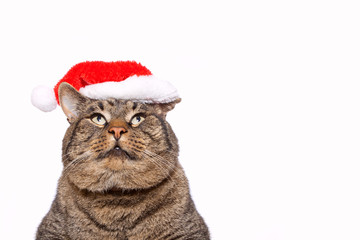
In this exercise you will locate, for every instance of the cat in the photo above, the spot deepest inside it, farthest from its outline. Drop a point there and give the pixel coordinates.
(121, 177)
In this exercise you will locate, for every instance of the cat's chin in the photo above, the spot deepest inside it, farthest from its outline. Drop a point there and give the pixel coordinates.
(117, 160)
(119, 188)
(115, 176)
(118, 153)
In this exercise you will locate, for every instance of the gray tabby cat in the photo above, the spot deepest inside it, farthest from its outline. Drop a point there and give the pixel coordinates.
(121, 176)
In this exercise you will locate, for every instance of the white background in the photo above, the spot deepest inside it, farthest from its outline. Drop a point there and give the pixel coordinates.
(269, 122)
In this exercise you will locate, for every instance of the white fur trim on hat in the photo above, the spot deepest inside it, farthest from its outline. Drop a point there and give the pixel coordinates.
(43, 98)
(147, 89)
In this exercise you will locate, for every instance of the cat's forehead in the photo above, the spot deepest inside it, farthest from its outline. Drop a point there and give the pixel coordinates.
(115, 107)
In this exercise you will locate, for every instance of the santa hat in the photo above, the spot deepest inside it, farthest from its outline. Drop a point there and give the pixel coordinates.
(102, 80)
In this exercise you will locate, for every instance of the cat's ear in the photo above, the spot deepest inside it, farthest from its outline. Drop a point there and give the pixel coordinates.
(163, 108)
(71, 101)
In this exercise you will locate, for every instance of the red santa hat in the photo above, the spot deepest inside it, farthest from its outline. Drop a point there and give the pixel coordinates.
(102, 80)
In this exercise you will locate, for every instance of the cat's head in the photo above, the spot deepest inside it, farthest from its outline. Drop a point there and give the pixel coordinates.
(116, 144)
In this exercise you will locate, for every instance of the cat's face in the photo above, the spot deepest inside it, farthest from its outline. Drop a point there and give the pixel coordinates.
(116, 144)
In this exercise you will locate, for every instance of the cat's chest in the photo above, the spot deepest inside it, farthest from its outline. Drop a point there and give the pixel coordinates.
(106, 216)
(107, 219)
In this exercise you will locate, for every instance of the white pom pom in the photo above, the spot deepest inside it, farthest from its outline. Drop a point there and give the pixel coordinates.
(43, 98)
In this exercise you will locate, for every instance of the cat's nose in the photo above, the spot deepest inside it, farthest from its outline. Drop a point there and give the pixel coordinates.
(117, 131)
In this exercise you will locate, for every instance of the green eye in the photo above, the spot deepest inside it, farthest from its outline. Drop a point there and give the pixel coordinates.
(99, 119)
(135, 121)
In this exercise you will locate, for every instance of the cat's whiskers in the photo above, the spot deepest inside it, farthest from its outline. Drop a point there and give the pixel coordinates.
(171, 165)
(158, 161)
(71, 152)
(160, 158)
(76, 161)
(159, 166)
(161, 163)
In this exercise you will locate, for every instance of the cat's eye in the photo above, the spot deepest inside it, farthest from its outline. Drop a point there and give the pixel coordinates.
(136, 120)
(98, 119)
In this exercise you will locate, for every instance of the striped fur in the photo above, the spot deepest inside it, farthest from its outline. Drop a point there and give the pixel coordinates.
(137, 190)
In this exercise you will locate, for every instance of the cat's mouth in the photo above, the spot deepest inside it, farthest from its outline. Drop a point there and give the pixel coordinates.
(118, 152)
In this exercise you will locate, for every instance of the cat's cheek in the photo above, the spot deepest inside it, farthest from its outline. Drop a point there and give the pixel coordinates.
(116, 164)
(86, 177)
